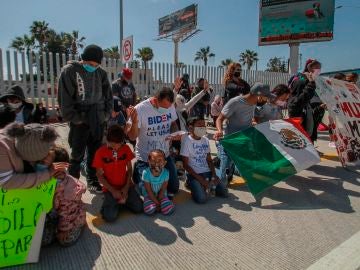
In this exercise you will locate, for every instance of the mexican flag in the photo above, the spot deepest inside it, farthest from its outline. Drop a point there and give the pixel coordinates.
(270, 152)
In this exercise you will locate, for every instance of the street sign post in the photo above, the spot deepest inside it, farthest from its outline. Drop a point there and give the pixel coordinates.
(127, 49)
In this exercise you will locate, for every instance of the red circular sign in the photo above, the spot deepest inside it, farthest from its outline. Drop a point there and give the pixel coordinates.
(127, 50)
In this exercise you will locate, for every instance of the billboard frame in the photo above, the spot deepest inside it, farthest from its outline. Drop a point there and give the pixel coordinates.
(187, 27)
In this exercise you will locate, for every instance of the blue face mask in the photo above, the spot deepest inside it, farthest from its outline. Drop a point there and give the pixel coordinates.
(41, 167)
(89, 68)
(162, 110)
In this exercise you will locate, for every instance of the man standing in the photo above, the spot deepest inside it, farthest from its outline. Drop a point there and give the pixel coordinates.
(125, 90)
(85, 100)
(239, 112)
(156, 117)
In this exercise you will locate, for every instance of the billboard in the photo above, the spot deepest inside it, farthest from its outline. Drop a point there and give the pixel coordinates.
(295, 21)
(185, 18)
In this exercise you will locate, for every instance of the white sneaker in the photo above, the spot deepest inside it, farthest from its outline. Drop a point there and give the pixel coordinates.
(332, 145)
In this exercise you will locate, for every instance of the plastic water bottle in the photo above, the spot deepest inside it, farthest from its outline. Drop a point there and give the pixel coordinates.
(208, 190)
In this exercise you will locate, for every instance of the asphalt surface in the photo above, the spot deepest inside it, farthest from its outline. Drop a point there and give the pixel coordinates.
(298, 222)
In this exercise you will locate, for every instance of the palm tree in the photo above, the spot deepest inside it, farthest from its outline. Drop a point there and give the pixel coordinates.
(226, 62)
(203, 55)
(23, 43)
(112, 52)
(40, 31)
(145, 54)
(73, 42)
(248, 58)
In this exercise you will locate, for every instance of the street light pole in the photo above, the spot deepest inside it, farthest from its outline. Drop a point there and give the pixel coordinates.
(121, 30)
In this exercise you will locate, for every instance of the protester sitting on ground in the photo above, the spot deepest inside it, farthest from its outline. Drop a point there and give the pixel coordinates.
(30, 143)
(272, 108)
(239, 112)
(216, 107)
(114, 171)
(67, 219)
(182, 111)
(352, 77)
(340, 76)
(200, 108)
(86, 101)
(234, 85)
(156, 178)
(14, 97)
(303, 87)
(7, 115)
(156, 119)
(40, 114)
(201, 175)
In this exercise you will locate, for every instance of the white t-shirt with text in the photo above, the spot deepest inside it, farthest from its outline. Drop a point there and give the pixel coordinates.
(153, 129)
(196, 151)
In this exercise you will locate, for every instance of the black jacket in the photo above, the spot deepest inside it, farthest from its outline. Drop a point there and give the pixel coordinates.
(302, 91)
(232, 89)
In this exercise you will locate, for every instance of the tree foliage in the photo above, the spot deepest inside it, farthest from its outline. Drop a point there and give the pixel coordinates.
(275, 64)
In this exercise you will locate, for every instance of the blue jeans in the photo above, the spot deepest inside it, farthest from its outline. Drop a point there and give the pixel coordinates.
(225, 163)
(198, 192)
(173, 184)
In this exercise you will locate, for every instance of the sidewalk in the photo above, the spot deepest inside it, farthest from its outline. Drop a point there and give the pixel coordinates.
(299, 222)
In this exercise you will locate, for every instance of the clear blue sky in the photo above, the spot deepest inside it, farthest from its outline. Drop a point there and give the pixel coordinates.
(229, 27)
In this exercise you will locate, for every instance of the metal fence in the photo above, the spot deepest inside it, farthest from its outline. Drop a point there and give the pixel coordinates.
(38, 74)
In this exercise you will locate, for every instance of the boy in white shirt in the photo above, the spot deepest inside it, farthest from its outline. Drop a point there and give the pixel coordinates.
(195, 151)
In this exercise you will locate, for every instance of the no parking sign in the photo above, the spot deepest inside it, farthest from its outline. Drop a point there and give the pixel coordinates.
(127, 49)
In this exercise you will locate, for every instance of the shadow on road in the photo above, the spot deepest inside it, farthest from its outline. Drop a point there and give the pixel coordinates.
(326, 190)
(151, 227)
(88, 250)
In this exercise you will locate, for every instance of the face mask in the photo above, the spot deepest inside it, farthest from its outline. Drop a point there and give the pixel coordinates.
(162, 110)
(316, 72)
(89, 68)
(155, 169)
(237, 74)
(41, 167)
(15, 106)
(200, 131)
(260, 104)
(280, 103)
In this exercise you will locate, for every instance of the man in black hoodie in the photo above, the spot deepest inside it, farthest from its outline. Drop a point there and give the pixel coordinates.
(85, 100)
(14, 97)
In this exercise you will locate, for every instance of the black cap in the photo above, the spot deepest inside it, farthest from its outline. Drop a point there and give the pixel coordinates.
(92, 53)
(13, 91)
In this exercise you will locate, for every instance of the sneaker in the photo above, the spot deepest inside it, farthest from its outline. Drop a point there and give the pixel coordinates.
(332, 145)
(95, 188)
(171, 196)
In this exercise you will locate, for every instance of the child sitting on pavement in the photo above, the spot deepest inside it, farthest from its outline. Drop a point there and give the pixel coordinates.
(195, 151)
(114, 170)
(155, 179)
(69, 212)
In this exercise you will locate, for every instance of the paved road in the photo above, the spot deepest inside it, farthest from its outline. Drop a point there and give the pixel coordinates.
(298, 223)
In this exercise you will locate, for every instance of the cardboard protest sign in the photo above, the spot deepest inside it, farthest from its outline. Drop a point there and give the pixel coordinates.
(22, 218)
(343, 103)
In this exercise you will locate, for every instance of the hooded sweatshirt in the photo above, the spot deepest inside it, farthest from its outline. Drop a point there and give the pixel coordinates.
(84, 97)
(27, 109)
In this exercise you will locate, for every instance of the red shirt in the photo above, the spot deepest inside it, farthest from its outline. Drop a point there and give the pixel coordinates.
(113, 164)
